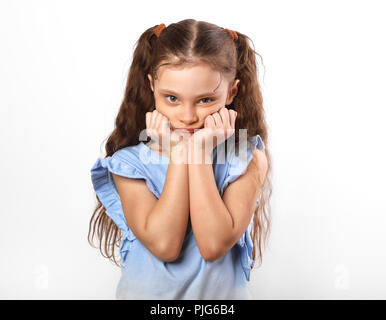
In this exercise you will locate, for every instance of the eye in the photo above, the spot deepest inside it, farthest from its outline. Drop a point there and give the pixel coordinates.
(168, 95)
(173, 98)
(207, 98)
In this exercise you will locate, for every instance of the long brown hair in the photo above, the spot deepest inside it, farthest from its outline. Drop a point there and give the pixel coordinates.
(188, 41)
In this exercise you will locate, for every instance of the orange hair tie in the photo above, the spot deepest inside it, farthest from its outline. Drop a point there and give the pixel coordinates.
(158, 29)
(232, 33)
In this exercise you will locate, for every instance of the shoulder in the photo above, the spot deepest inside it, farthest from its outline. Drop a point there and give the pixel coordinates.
(129, 156)
(126, 152)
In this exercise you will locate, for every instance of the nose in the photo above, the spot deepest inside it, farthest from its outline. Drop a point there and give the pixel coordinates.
(188, 115)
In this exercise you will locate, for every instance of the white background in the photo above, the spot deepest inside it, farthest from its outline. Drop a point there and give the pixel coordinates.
(63, 68)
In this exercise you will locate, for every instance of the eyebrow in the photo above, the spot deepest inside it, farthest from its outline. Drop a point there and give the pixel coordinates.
(200, 95)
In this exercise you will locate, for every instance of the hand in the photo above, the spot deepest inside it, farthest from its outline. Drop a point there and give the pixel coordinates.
(218, 127)
(158, 129)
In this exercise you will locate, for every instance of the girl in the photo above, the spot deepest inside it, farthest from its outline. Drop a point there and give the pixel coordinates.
(187, 225)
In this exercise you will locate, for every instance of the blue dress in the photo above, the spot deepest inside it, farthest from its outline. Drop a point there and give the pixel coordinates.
(143, 275)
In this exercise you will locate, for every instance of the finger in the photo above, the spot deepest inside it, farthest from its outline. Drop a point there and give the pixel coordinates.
(157, 120)
(174, 137)
(152, 119)
(234, 115)
(224, 112)
(153, 125)
(165, 125)
(148, 118)
(209, 122)
(149, 128)
(217, 119)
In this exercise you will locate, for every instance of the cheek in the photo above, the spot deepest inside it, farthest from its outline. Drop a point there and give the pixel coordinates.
(207, 112)
(202, 117)
(165, 111)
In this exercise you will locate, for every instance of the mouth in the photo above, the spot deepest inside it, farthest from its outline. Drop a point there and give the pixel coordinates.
(186, 129)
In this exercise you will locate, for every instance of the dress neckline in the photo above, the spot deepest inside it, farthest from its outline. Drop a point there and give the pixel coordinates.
(155, 155)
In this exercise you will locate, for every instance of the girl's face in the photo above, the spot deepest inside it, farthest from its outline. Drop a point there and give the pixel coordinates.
(187, 94)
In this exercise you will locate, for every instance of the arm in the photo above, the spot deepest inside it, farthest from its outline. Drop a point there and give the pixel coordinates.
(160, 224)
(218, 223)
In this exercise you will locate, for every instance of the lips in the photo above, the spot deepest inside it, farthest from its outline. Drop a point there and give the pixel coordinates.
(187, 129)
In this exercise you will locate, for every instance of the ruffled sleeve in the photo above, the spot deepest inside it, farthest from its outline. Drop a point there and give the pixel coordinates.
(236, 167)
(105, 188)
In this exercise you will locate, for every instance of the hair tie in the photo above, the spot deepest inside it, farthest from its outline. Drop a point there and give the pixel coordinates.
(232, 33)
(158, 29)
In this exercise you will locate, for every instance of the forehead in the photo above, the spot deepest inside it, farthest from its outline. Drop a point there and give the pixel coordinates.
(190, 79)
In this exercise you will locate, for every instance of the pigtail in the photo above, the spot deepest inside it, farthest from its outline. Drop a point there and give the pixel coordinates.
(130, 120)
(249, 97)
(249, 105)
(128, 125)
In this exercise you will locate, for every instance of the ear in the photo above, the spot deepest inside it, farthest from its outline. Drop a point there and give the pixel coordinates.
(233, 91)
(151, 81)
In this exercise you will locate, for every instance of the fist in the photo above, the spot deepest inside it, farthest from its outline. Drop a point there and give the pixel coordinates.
(218, 127)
